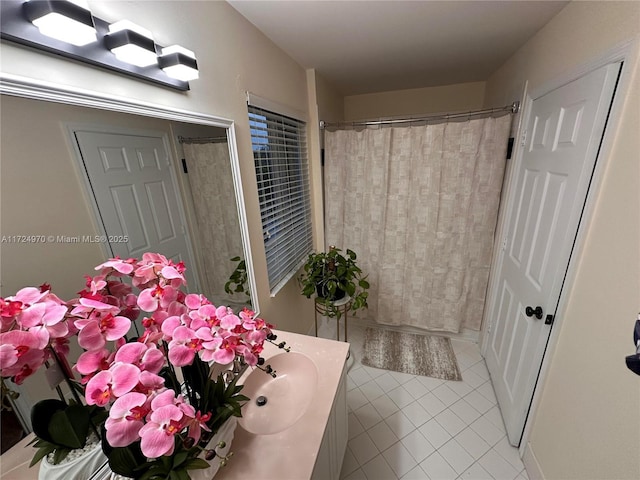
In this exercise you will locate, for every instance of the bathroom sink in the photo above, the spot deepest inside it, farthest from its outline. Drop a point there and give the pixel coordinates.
(277, 403)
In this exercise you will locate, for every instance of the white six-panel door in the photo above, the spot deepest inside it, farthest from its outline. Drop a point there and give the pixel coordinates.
(563, 134)
(139, 207)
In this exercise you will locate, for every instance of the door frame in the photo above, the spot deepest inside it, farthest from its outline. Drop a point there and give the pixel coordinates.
(626, 52)
(72, 128)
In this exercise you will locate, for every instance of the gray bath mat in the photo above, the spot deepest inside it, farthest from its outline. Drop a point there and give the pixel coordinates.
(427, 355)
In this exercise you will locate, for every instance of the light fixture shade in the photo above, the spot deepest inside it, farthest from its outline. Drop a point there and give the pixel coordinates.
(63, 20)
(179, 63)
(131, 43)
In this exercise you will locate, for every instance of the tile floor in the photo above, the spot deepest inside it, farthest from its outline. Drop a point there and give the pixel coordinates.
(411, 427)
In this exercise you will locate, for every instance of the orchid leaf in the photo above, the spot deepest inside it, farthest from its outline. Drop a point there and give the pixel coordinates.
(197, 464)
(60, 454)
(45, 449)
(126, 461)
(179, 458)
(41, 414)
(69, 427)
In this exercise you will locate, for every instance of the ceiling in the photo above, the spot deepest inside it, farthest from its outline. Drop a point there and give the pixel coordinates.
(373, 46)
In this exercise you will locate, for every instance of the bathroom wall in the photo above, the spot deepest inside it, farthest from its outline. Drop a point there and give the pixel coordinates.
(233, 57)
(325, 103)
(415, 101)
(587, 424)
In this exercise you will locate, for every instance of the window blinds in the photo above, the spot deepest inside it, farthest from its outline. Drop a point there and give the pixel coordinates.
(282, 172)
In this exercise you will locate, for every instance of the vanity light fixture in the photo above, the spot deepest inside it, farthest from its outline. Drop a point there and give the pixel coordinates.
(179, 63)
(68, 21)
(122, 47)
(131, 43)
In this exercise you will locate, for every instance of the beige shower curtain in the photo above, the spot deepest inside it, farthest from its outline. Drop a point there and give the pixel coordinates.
(214, 200)
(419, 206)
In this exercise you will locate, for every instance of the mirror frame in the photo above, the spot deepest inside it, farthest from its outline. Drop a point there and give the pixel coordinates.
(24, 87)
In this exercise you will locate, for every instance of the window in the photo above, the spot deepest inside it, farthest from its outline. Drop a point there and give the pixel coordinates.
(282, 171)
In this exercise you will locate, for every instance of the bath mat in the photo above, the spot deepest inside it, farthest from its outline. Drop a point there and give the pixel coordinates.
(428, 355)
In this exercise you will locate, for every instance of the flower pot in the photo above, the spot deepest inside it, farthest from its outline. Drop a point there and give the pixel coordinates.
(322, 292)
(79, 468)
(224, 434)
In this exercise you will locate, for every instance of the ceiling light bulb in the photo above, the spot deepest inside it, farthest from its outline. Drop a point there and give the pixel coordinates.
(131, 43)
(179, 63)
(67, 21)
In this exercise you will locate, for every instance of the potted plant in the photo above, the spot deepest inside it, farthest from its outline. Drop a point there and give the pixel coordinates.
(238, 279)
(332, 275)
(158, 426)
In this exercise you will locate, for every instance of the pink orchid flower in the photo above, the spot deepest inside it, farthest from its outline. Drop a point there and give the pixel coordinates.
(184, 346)
(20, 355)
(144, 356)
(95, 284)
(165, 421)
(106, 385)
(228, 319)
(121, 266)
(195, 301)
(29, 295)
(225, 350)
(151, 298)
(98, 329)
(93, 361)
(126, 418)
(204, 316)
(196, 424)
(149, 382)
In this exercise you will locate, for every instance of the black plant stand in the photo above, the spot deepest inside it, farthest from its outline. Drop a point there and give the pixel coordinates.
(343, 305)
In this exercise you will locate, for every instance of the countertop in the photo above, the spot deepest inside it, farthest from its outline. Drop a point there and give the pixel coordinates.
(291, 454)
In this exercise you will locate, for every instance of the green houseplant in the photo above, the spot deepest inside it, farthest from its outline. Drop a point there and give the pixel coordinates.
(238, 279)
(332, 275)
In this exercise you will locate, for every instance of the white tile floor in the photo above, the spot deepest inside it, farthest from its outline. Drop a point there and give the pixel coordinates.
(411, 427)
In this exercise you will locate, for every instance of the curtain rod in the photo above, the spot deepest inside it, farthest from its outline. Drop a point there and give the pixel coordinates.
(513, 108)
(182, 139)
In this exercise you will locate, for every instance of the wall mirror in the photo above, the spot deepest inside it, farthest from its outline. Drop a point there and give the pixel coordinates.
(210, 198)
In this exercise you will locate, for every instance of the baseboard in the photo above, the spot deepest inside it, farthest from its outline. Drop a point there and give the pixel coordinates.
(531, 465)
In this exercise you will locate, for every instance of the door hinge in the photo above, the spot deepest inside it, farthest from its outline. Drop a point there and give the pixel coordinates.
(549, 319)
(504, 244)
(523, 139)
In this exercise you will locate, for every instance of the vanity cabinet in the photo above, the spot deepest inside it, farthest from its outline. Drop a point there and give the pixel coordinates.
(334, 442)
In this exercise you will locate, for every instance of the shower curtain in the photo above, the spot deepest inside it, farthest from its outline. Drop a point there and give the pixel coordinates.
(214, 200)
(419, 206)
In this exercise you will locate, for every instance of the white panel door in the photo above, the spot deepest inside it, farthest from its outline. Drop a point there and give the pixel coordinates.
(131, 179)
(562, 138)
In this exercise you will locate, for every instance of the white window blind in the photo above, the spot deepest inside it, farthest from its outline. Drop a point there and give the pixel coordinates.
(282, 171)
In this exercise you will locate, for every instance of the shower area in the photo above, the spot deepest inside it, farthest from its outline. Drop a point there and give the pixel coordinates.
(207, 161)
(417, 199)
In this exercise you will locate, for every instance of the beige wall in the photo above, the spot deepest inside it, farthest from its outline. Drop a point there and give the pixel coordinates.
(233, 57)
(587, 425)
(325, 103)
(415, 101)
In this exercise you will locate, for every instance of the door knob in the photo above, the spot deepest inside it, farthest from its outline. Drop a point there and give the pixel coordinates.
(530, 312)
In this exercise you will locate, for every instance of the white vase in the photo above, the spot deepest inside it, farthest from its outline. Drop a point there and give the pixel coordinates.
(80, 468)
(224, 434)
